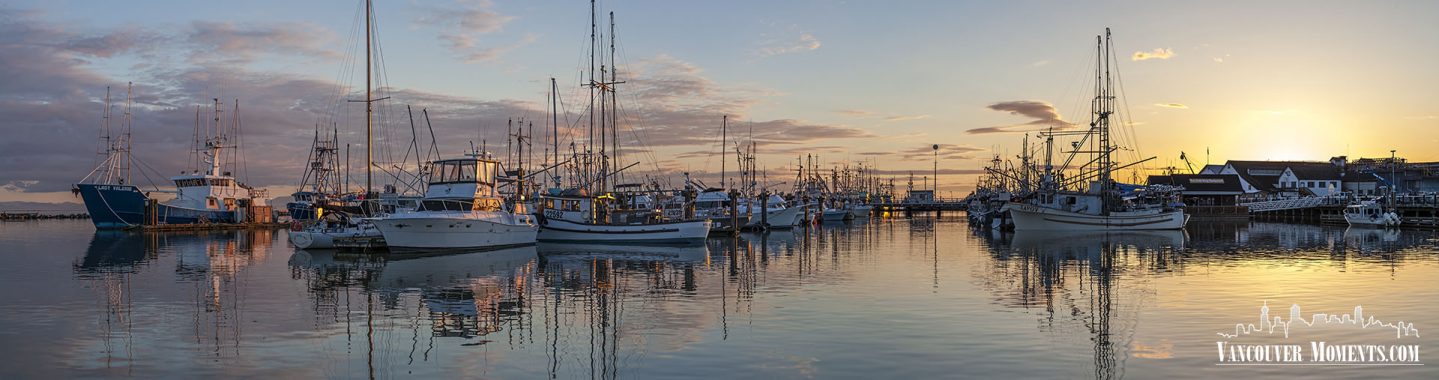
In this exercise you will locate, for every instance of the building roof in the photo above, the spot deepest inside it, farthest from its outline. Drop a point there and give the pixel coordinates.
(1264, 175)
(1201, 184)
(1212, 169)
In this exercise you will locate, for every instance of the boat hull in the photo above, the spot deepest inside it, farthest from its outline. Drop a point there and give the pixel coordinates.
(443, 233)
(1382, 220)
(861, 212)
(1031, 217)
(786, 218)
(123, 206)
(559, 230)
(324, 239)
(836, 215)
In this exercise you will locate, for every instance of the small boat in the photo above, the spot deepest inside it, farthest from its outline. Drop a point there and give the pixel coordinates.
(1370, 214)
(860, 211)
(778, 213)
(332, 226)
(835, 215)
(461, 210)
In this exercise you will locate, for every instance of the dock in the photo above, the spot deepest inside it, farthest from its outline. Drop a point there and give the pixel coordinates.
(1414, 210)
(939, 205)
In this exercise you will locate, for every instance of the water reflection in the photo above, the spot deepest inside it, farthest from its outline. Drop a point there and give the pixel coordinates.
(1071, 279)
(207, 267)
(879, 297)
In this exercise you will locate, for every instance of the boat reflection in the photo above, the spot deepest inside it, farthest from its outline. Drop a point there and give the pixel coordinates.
(1072, 281)
(211, 261)
(115, 251)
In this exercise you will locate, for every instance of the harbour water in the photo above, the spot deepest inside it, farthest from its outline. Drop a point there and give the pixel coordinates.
(890, 297)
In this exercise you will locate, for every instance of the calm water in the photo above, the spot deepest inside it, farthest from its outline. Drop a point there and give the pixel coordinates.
(891, 298)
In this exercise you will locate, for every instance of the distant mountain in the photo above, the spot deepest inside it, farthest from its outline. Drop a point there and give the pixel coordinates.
(46, 207)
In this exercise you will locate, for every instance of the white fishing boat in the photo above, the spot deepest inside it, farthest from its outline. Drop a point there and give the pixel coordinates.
(1100, 206)
(596, 206)
(778, 213)
(461, 209)
(573, 216)
(1370, 214)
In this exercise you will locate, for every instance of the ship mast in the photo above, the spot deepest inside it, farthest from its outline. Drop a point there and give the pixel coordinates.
(369, 101)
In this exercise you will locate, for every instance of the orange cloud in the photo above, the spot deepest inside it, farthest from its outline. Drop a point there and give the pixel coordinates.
(1157, 53)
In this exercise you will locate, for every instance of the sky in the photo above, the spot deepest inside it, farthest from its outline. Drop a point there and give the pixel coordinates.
(849, 81)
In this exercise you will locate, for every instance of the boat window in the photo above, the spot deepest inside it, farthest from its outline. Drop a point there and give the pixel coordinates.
(440, 173)
(466, 172)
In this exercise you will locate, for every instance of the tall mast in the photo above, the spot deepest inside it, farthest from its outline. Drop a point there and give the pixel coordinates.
(724, 145)
(614, 101)
(369, 101)
(555, 118)
(591, 142)
(1106, 103)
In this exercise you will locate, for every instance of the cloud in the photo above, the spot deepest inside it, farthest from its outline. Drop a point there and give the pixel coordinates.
(1218, 60)
(1157, 53)
(461, 28)
(945, 151)
(855, 113)
(1044, 114)
(906, 117)
(1172, 105)
(53, 98)
(806, 42)
(678, 105)
(229, 43)
(114, 43)
(492, 53)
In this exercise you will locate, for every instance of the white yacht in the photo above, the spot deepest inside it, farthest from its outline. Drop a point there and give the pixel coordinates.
(461, 209)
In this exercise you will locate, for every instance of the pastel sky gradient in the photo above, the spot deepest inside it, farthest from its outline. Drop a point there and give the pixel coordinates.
(878, 81)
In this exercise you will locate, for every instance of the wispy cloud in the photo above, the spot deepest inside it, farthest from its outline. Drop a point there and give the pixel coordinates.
(1157, 53)
(864, 114)
(855, 113)
(461, 28)
(230, 43)
(1043, 113)
(945, 151)
(906, 117)
(1172, 105)
(806, 42)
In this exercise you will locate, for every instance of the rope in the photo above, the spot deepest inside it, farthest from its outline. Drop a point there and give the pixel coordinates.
(112, 209)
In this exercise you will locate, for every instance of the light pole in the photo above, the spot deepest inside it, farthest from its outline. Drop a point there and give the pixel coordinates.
(936, 170)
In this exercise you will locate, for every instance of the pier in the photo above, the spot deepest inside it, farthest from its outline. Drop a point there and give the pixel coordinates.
(938, 205)
(1414, 210)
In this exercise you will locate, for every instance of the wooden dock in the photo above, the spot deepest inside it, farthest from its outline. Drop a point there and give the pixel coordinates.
(939, 205)
(208, 227)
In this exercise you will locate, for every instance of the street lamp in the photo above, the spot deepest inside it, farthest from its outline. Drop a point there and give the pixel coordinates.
(936, 170)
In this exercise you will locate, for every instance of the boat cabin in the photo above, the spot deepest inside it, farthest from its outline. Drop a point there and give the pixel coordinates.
(463, 184)
(208, 192)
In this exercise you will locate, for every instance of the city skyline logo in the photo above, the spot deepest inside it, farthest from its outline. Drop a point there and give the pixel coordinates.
(1241, 346)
